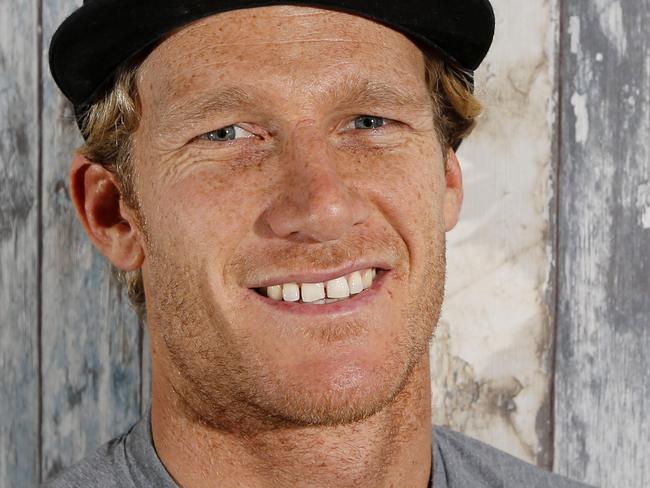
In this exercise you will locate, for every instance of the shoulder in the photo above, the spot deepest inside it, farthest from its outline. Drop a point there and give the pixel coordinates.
(468, 462)
(127, 461)
(106, 467)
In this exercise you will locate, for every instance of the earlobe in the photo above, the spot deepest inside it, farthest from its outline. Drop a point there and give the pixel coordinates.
(453, 191)
(96, 197)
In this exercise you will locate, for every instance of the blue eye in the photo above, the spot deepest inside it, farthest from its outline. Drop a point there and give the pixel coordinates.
(228, 133)
(369, 122)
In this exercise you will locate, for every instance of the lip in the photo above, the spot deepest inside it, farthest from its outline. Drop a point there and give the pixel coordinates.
(319, 276)
(344, 307)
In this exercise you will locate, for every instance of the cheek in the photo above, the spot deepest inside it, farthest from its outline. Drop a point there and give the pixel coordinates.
(205, 203)
(409, 193)
(411, 187)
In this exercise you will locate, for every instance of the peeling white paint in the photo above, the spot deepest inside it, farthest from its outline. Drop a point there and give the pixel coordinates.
(574, 33)
(643, 204)
(645, 219)
(579, 103)
(611, 23)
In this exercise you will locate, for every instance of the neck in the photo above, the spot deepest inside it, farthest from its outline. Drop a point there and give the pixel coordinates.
(389, 449)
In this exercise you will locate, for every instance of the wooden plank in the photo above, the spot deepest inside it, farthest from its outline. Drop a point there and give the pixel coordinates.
(90, 337)
(602, 385)
(19, 169)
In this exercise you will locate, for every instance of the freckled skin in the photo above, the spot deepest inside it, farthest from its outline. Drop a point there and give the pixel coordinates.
(243, 396)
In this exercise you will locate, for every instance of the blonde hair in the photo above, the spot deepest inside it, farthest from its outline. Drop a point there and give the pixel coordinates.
(109, 123)
(455, 107)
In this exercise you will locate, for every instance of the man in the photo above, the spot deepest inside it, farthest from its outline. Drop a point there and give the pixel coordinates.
(274, 183)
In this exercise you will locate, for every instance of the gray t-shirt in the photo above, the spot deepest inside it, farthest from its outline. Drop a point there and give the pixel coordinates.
(458, 461)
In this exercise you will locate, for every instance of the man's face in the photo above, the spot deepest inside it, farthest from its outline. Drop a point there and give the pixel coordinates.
(302, 189)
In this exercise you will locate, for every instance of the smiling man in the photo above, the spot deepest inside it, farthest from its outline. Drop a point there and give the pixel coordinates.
(273, 183)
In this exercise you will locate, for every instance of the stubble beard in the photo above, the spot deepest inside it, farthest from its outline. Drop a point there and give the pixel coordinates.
(216, 385)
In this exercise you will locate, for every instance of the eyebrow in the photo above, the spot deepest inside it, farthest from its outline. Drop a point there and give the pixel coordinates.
(354, 91)
(349, 92)
(193, 109)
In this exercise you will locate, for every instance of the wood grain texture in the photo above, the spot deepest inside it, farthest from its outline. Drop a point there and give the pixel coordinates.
(90, 336)
(19, 167)
(602, 426)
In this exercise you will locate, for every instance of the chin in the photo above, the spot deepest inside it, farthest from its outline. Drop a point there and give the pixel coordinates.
(337, 390)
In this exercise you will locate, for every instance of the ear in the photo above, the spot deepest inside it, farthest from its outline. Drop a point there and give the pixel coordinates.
(110, 225)
(453, 191)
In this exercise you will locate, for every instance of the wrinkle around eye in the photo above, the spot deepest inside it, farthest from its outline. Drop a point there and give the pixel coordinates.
(211, 160)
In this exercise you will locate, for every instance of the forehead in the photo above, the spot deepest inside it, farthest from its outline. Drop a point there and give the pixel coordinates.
(302, 48)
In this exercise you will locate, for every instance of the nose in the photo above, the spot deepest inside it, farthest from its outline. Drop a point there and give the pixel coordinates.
(315, 204)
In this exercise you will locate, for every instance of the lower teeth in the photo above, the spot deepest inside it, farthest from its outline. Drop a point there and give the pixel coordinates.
(324, 301)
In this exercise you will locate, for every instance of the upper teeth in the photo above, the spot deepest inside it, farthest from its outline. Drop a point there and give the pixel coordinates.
(337, 288)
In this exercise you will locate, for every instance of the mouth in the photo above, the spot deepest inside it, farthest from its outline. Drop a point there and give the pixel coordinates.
(337, 294)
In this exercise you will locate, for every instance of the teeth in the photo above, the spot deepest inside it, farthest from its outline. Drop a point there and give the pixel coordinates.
(312, 292)
(355, 283)
(338, 288)
(290, 292)
(322, 293)
(274, 292)
(366, 278)
(326, 300)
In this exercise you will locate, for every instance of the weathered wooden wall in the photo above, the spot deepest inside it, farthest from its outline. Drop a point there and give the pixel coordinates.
(602, 380)
(19, 243)
(542, 345)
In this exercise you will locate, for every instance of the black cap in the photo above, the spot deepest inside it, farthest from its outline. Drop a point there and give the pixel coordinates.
(91, 44)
